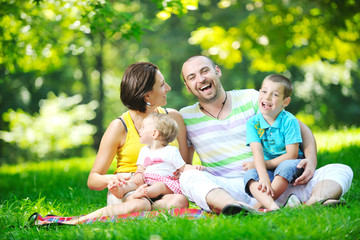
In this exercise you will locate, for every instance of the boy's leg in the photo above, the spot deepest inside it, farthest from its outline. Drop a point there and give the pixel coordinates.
(285, 173)
(279, 185)
(265, 199)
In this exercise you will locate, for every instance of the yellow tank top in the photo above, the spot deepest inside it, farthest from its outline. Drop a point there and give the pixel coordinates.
(128, 154)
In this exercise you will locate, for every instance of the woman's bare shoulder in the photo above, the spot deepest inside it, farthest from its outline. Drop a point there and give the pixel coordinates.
(174, 113)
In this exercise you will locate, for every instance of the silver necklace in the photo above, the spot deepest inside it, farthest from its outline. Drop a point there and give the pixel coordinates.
(222, 107)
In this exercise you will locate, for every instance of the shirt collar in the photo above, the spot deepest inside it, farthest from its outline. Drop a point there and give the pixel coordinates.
(264, 124)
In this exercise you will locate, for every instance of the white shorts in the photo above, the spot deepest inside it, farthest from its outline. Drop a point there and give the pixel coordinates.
(195, 185)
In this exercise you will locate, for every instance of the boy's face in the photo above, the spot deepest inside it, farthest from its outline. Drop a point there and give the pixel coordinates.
(271, 98)
(147, 132)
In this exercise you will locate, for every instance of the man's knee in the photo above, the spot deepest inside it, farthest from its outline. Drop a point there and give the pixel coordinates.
(218, 198)
(327, 189)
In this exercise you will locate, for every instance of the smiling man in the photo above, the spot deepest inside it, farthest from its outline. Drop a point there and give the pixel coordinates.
(216, 128)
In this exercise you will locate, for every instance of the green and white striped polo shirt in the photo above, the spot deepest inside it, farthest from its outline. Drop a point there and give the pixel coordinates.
(221, 144)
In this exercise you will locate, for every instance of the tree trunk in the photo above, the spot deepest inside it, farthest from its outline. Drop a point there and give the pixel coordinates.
(99, 66)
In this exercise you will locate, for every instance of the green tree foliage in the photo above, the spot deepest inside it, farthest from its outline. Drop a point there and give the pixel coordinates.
(62, 46)
(276, 35)
(82, 47)
(316, 43)
(61, 124)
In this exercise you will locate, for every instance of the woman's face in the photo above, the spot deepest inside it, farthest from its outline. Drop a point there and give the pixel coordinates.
(157, 96)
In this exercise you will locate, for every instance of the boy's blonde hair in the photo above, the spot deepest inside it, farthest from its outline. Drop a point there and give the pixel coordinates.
(167, 127)
(284, 81)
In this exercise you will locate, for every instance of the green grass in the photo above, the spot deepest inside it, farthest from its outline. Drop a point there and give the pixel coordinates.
(59, 187)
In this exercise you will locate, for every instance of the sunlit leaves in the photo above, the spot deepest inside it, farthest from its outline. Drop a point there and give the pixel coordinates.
(218, 42)
(279, 34)
(39, 34)
(177, 7)
(117, 18)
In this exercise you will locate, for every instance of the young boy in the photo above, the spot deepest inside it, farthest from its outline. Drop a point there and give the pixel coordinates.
(157, 162)
(273, 134)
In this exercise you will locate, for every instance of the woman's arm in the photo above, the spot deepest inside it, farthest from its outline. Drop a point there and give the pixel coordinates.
(183, 147)
(113, 138)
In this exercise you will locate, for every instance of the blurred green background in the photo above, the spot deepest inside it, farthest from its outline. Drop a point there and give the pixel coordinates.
(61, 62)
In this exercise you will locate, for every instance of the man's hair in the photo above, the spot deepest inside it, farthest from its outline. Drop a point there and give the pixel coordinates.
(196, 56)
(166, 125)
(138, 79)
(284, 81)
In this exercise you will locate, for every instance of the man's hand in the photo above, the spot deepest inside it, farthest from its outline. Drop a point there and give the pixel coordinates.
(308, 173)
(248, 165)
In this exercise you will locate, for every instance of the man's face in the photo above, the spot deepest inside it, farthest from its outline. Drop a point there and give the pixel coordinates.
(202, 79)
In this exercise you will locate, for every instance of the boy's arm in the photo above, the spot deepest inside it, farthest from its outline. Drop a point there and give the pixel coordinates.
(292, 152)
(264, 180)
(259, 161)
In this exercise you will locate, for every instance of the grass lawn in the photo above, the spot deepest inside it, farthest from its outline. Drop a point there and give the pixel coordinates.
(59, 187)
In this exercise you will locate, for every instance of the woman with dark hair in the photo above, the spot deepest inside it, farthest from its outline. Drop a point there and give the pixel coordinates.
(143, 91)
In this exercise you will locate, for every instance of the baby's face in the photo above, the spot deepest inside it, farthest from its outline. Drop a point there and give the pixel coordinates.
(146, 132)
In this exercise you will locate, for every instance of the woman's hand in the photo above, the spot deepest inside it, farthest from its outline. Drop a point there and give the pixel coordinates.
(117, 179)
(138, 178)
(196, 167)
(248, 165)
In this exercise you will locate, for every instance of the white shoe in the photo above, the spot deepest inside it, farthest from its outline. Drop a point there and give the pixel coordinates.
(292, 201)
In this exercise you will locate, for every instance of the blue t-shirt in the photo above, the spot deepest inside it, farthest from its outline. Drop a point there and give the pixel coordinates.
(284, 131)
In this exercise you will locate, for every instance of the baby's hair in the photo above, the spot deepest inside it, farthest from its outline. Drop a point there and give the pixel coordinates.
(167, 127)
(284, 81)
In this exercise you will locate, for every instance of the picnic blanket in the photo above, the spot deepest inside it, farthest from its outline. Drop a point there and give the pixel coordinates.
(188, 213)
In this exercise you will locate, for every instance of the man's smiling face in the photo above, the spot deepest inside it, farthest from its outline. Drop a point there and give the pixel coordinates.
(202, 78)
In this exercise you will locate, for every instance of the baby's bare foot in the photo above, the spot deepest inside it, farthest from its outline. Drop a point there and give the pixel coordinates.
(116, 190)
(140, 191)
